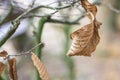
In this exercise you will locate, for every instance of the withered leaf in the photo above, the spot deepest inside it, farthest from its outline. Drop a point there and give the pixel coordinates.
(86, 38)
(2, 67)
(12, 69)
(89, 7)
(81, 39)
(3, 53)
(40, 67)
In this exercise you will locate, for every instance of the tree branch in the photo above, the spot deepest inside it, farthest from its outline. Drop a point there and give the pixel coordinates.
(61, 21)
(16, 22)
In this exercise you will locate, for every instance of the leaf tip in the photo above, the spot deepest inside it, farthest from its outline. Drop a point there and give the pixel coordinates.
(70, 54)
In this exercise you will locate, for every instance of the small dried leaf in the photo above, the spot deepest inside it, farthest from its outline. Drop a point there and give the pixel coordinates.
(12, 69)
(3, 53)
(81, 39)
(40, 67)
(86, 38)
(2, 67)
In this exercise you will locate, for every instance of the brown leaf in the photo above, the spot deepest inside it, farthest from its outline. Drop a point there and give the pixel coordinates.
(12, 69)
(3, 53)
(2, 67)
(89, 7)
(86, 38)
(40, 67)
(81, 38)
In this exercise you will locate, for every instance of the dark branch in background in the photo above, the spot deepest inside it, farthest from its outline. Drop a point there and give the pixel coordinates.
(33, 3)
(61, 21)
(108, 5)
(97, 2)
(3, 18)
(16, 22)
(50, 20)
(112, 8)
(76, 21)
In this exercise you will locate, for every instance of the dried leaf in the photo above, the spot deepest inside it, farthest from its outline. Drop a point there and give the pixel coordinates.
(86, 38)
(3, 53)
(2, 67)
(40, 67)
(93, 9)
(12, 69)
(89, 7)
(81, 38)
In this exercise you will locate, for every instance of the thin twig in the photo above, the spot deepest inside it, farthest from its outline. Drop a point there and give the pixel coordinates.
(112, 8)
(34, 47)
(27, 52)
(109, 5)
(50, 20)
(61, 21)
(37, 15)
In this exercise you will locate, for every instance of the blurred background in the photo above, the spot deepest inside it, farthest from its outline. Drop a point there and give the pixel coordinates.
(104, 64)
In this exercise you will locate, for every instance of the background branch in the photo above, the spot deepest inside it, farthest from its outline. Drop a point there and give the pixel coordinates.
(38, 34)
(16, 22)
(3, 18)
